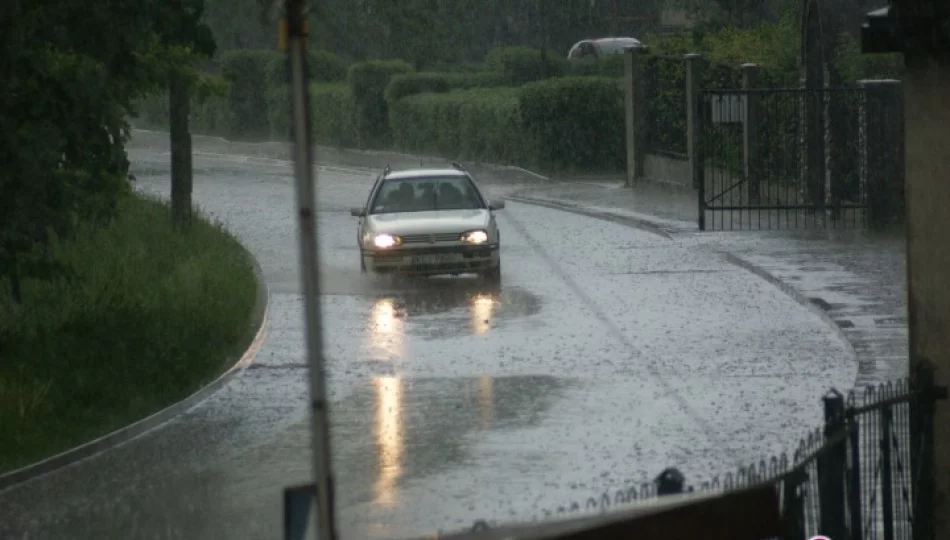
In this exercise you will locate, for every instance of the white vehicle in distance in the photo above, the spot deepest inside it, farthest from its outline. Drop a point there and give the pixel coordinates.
(429, 222)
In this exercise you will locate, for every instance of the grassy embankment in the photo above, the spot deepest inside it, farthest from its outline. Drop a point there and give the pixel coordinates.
(149, 316)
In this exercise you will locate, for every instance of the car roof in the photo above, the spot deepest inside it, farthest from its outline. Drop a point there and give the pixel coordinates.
(423, 173)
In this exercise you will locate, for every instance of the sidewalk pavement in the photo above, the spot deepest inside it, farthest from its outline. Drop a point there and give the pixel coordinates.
(855, 280)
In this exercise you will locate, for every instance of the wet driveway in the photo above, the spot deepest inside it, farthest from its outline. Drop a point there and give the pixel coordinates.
(607, 354)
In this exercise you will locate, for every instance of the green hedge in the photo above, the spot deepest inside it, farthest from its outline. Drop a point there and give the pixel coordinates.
(664, 81)
(474, 124)
(368, 82)
(327, 67)
(334, 115)
(520, 65)
(415, 83)
(574, 122)
(248, 72)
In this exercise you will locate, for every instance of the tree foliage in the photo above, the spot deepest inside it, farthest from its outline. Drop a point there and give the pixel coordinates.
(65, 96)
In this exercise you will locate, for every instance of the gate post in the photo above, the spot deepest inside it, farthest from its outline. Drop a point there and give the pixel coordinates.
(635, 114)
(831, 470)
(882, 120)
(922, 463)
(694, 129)
(750, 129)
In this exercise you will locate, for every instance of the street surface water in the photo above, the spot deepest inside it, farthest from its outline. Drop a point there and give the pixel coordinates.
(609, 354)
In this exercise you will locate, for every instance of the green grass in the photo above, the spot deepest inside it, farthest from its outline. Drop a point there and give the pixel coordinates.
(150, 316)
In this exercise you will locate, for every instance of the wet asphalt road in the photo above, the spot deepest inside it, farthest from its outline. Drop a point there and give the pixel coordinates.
(609, 354)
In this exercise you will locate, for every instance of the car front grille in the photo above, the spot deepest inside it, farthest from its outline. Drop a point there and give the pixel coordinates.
(430, 238)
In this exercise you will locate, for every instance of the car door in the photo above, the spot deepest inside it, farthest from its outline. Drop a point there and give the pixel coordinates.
(361, 224)
(493, 231)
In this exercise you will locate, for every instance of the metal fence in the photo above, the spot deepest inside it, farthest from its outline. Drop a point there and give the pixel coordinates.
(867, 474)
(782, 159)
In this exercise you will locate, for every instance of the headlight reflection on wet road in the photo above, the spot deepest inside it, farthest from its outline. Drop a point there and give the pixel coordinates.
(486, 402)
(386, 336)
(482, 307)
(389, 438)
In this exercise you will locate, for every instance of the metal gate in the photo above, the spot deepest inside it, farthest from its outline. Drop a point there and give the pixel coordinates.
(782, 159)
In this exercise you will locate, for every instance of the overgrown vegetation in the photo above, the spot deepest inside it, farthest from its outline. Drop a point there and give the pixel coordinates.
(108, 311)
(145, 315)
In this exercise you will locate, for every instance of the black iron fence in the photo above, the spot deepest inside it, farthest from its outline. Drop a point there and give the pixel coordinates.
(783, 158)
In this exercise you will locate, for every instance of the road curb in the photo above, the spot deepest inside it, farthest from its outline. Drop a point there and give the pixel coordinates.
(251, 344)
(638, 223)
(796, 295)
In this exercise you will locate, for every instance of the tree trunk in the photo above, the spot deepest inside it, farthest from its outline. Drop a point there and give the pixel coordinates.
(178, 113)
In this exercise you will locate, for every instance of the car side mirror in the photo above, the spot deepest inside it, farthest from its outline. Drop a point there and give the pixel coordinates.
(496, 205)
(357, 212)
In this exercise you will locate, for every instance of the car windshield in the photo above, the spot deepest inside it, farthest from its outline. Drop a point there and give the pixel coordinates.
(426, 194)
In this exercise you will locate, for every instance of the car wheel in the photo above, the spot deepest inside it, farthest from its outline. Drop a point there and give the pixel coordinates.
(493, 276)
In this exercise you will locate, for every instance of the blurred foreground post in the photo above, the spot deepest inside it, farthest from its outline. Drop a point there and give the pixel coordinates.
(179, 109)
(309, 263)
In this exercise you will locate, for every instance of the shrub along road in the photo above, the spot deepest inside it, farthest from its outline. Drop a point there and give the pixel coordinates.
(609, 354)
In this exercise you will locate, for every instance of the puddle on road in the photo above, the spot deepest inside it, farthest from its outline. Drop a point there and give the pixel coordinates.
(447, 308)
(419, 427)
(389, 432)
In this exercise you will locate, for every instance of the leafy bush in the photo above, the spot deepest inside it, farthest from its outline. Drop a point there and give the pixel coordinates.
(334, 114)
(245, 70)
(521, 65)
(664, 81)
(486, 79)
(326, 66)
(368, 82)
(146, 316)
(475, 124)
(415, 83)
(574, 122)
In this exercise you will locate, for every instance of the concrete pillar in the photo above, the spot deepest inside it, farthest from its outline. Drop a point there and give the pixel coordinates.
(750, 127)
(636, 114)
(927, 192)
(694, 68)
(882, 152)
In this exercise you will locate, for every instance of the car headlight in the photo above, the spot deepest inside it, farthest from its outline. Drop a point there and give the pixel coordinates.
(475, 237)
(384, 241)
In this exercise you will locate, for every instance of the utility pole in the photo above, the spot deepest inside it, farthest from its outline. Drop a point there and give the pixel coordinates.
(179, 109)
(296, 34)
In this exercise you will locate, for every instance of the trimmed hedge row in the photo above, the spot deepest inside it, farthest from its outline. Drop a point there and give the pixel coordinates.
(565, 123)
(501, 114)
(334, 115)
(475, 124)
(368, 82)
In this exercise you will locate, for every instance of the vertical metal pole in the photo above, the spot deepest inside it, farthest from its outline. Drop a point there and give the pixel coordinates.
(831, 470)
(854, 484)
(309, 267)
(887, 477)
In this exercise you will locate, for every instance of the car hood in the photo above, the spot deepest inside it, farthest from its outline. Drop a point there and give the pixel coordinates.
(436, 221)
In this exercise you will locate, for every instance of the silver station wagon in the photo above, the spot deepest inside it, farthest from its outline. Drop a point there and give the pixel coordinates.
(429, 222)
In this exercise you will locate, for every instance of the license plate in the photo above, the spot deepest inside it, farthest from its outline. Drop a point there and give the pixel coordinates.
(441, 258)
